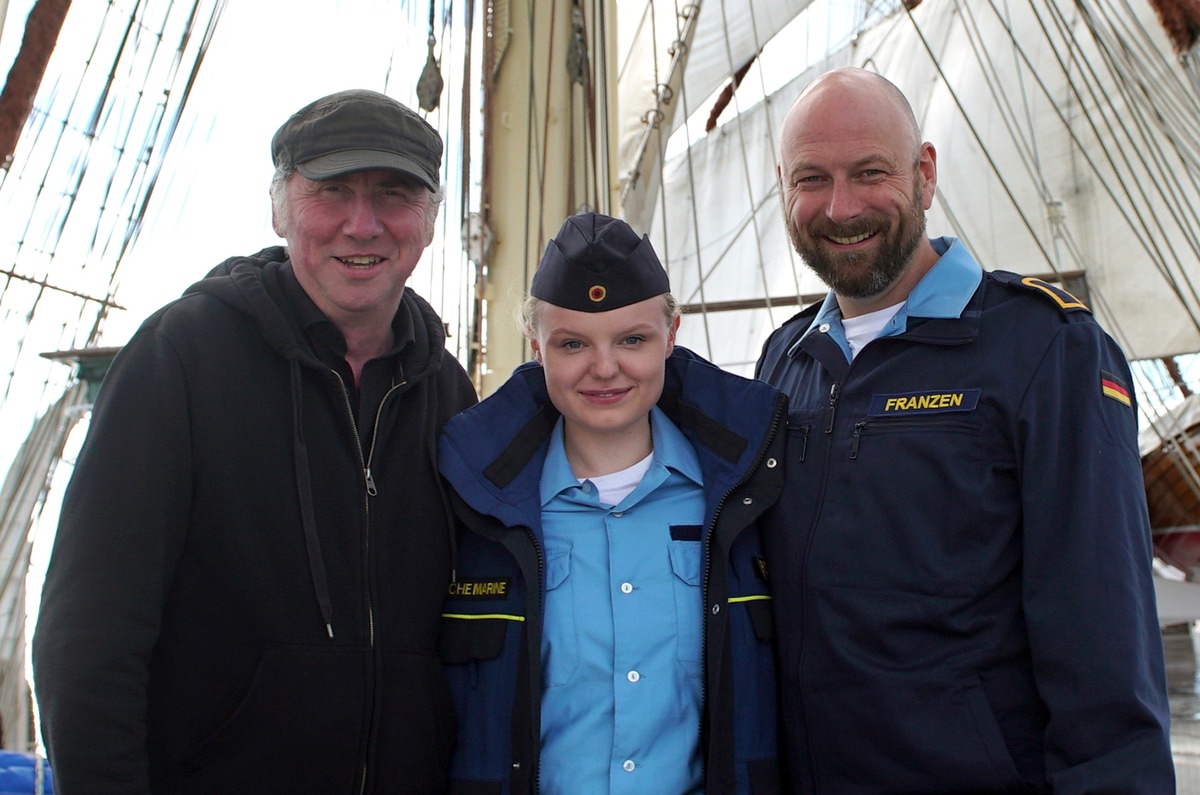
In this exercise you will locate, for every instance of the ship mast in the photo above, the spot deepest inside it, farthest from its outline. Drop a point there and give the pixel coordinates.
(547, 100)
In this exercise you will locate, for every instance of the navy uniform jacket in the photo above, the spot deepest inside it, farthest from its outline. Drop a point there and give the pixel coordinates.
(491, 637)
(961, 559)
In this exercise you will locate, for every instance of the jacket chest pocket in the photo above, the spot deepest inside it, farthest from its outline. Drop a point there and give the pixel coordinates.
(480, 617)
(961, 433)
(923, 504)
(465, 640)
(895, 449)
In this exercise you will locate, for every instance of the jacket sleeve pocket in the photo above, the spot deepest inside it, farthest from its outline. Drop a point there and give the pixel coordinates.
(464, 639)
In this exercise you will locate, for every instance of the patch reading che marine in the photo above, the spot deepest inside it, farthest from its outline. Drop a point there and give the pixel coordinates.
(480, 589)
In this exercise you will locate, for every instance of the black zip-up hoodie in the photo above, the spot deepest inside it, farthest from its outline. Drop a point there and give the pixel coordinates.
(243, 597)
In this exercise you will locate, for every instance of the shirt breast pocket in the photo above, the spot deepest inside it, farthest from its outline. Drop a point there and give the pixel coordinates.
(686, 565)
(560, 654)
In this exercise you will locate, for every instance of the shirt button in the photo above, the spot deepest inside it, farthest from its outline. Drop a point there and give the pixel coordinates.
(633, 676)
(618, 514)
(628, 765)
(823, 328)
(626, 587)
(587, 487)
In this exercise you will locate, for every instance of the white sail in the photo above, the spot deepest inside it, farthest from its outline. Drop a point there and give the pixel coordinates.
(673, 56)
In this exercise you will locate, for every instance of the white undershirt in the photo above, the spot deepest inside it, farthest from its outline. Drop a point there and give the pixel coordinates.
(862, 329)
(616, 486)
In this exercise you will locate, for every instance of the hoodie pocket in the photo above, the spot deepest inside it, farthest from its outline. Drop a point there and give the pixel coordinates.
(298, 728)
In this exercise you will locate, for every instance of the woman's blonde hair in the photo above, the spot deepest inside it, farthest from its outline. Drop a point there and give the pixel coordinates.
(530, 312)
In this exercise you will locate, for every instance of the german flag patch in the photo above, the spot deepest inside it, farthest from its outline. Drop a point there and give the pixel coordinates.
(1114, 388)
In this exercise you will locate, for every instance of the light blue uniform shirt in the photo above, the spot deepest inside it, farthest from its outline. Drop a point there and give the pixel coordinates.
(623, 618)
(943, 292)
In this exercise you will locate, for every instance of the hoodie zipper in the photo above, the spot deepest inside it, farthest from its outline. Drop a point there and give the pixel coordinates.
(364, 459)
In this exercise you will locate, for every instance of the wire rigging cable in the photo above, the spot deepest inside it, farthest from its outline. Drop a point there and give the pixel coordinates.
(88, 163)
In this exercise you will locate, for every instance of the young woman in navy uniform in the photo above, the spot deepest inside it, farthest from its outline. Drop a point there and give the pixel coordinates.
(608, 629)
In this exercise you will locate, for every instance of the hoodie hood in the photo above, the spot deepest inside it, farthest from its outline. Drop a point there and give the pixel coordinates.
(243, 283)
(250, 284)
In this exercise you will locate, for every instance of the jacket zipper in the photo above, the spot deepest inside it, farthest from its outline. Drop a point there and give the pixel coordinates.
(712, 526)
(834, 394)
(535, 687)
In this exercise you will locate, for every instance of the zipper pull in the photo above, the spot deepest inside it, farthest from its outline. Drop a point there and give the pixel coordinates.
(859, 427)
(370, 482)
(833, 399)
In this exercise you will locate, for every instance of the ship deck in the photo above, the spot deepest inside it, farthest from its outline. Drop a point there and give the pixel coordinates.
(1182, 645)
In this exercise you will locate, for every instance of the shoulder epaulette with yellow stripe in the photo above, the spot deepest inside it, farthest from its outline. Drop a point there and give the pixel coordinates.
(1060, 297)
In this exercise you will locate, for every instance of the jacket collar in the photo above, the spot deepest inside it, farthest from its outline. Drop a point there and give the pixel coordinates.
(493, 454)
(943, 308)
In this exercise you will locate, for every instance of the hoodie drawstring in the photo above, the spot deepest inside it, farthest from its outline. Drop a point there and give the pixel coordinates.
(308, 516)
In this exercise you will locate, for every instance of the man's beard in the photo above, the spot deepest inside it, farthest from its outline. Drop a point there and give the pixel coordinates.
(862, 274)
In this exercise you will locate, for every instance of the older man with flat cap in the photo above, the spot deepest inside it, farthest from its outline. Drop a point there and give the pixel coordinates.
(245, 590)
(609, 629)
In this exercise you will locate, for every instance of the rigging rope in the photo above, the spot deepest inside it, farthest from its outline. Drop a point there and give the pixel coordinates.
(746, 181)
(60, 161)
(1147, 240)
(687, 17)
(1152, 228)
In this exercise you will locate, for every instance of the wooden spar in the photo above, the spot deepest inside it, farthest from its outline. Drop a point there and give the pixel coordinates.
(42, 27)
(1181, 21)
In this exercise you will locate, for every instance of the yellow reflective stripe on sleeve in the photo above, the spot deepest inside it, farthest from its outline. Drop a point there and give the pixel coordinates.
(753, 598)
(476, 616)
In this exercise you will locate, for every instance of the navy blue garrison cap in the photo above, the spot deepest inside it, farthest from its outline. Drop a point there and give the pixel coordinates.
(596, 263)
